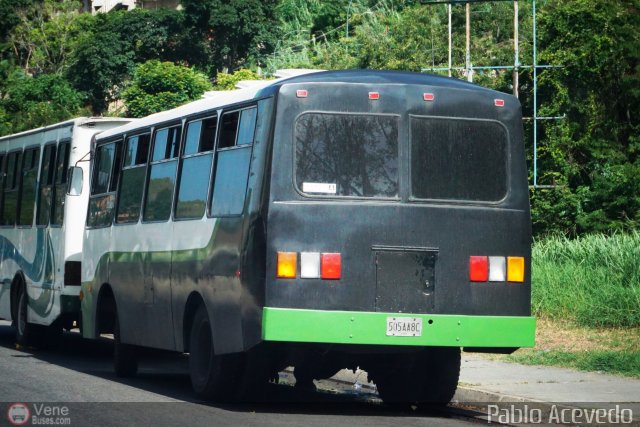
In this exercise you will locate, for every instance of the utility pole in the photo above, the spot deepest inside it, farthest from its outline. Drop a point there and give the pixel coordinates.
(516, 50)
(449, 12)
(468, 45)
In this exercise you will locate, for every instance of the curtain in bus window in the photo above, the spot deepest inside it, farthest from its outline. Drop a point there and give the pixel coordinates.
(162, 180)
(347, 155)
(456, 159)
(230, 183)
(30, 162)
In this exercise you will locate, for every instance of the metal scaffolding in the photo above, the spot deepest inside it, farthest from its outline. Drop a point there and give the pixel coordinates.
(469, 68)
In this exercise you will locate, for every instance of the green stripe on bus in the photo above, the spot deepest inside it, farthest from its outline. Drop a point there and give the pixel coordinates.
(355, 327)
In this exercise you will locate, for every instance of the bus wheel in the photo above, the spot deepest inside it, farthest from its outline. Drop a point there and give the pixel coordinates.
(26, 333)
(425, 379)
(125, 356)
(213, 377)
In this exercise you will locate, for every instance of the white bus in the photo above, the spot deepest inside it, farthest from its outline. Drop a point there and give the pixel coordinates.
(41, 225)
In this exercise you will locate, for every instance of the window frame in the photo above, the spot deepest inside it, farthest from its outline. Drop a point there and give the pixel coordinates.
(57, 184)
(125, 138)
(179, 123)
(117, 140)
(17, 186)
(39, 150)
(318, 196)
(185, 126)
(44, 147)
(214, 168)
(462, 202)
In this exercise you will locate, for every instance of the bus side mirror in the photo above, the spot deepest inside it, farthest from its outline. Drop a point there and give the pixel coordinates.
(75, 181)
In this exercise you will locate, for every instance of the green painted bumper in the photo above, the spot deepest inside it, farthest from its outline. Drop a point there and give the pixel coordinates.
(356, 327)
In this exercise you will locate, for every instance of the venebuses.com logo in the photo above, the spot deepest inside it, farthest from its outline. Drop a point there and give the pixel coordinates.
(18, 414)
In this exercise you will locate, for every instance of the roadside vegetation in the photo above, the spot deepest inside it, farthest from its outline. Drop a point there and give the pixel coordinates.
(586, 294)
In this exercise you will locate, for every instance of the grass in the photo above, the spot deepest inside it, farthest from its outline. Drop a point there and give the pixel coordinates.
(586, 295)
(610, 350)
(590, 281)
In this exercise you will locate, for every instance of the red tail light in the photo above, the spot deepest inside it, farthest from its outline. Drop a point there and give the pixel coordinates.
(374, 95)
(330, 266)
(479, 268)
(428, 96)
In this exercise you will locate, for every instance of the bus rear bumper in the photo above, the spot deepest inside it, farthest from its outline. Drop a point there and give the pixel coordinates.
(356, 327)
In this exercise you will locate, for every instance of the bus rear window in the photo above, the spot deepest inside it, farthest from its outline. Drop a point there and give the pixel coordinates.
(350, 155)
(458, 159)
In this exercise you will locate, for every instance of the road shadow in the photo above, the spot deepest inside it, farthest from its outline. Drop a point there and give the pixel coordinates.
(166, 374)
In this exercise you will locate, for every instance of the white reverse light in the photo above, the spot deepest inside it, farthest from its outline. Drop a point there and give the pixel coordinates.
(310, 265)
(497, 269)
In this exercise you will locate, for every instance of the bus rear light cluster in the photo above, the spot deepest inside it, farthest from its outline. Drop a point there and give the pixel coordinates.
(496, 269)
(313, 265)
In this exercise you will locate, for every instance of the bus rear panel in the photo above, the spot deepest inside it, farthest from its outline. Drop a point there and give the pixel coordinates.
(398, 216)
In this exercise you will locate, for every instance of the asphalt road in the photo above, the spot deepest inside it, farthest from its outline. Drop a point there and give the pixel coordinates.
(77, 384)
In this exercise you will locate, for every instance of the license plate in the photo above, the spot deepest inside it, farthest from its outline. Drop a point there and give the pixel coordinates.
(404, 327)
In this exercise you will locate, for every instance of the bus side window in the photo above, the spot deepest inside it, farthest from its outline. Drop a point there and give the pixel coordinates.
(60, 182)
(196, 168)
(102, 200)
(45, 192)
(12, 178)
(134, 171)
(162, 174)
(232, 164)
(30, 163)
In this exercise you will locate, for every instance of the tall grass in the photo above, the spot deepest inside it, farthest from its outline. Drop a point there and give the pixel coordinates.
(593, 280)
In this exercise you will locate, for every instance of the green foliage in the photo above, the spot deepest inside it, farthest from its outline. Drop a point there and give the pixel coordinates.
(593, 280)
(115, 42)
(31, 102)
(238, 30)
(45, 36)
(226, 81)
(158, 86)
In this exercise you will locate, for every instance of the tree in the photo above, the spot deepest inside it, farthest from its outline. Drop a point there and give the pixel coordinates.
(158, 86)
(226, 81)
(238, 30)
(45, 36)
(113, 43)
(595, 150)
(31, 102)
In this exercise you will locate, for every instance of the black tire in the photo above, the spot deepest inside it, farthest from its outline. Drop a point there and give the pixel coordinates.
(213, 377)
(125, 356)
(27, 334)
(425, 379)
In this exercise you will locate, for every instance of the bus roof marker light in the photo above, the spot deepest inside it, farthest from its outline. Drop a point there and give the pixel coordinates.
(374, 95)
(479, 268)
(302, 93)
(310, 265)
(331, 266)
(287, 265)
(498, 102)
(428, 97)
